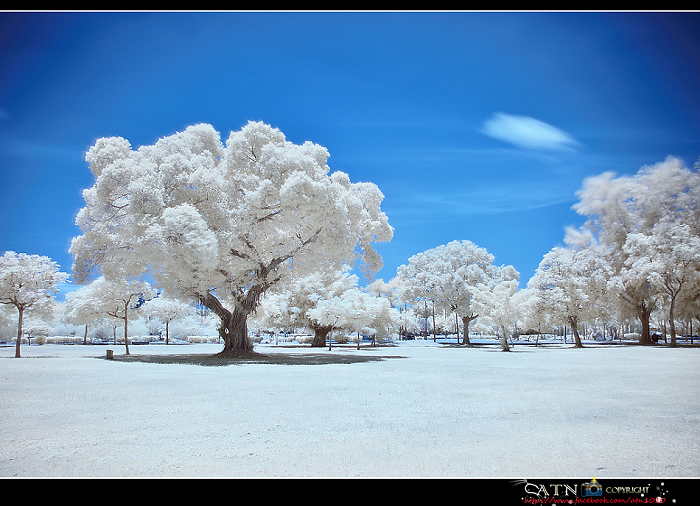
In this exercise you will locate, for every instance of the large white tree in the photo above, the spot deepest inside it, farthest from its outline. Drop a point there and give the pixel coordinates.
(448, 277)
(669, 258)
(28, 282)
(221, 223)
(572, 283)
(626, 213)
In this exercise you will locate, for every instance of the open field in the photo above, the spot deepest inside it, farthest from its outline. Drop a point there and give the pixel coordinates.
(414, 409)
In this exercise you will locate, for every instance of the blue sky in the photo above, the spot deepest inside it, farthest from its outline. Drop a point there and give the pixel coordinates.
(475, 125)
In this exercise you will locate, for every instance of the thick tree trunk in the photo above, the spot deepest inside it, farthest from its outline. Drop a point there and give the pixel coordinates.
(465, 328)
(644, 314)
(19, 332)
(234, 324)
(504, 339)
(166, 332)
(320, 335)
(234, 332)
(85, 335)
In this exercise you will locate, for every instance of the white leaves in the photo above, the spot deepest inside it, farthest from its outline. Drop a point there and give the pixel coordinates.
(28, 280)
(648, 226)
(166, 310)
(355, 310)
(106, 151)
(449, 274)
(187, 238)
(200, 216)
(571, 282)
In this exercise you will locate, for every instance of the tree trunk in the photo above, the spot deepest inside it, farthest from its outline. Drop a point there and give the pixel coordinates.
(234, 332)
(85, 335)
(643, 314)
(19, 332)
(457, 326)
(465, 328)
(234, 324)
(573, 320)
(504, 339)
(320, 335)
(671, 321)
(166, 332)
(126, 330)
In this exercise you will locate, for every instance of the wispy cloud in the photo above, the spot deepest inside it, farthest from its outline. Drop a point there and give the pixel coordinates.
(527, 132)
(428, 206)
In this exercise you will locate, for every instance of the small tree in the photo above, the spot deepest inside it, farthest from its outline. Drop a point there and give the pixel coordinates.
(28, 281)
(289, 306)
(446, 277)
(166, 311)
(497, 302)
(118, 298)
(82, 308)
(572, 281)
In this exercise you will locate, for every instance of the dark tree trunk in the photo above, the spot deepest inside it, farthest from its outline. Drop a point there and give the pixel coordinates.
(126, 330)
(320, 335)
(234, 324)
(644, 313)
(671, 320)
(234, 332)
(465, 328)
(19, 332)
(573, 320)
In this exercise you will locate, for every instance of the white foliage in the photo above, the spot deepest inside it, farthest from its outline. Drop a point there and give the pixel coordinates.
(648, 226)
(450, 277)
(572, 284)
(28, 283)
(223, 222)
(28, 280)
(496, 302)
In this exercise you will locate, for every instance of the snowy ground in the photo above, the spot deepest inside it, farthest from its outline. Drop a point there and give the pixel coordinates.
(430, 411)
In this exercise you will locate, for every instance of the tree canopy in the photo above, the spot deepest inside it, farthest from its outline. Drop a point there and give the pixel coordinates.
(28, 282)
(220, 223)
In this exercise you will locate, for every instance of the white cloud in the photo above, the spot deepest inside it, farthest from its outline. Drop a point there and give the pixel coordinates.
(527, 132)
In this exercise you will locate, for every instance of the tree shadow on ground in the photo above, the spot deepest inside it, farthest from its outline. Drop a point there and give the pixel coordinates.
(251, 358)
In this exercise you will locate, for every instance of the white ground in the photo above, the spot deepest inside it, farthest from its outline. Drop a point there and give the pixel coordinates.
(604, 411)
